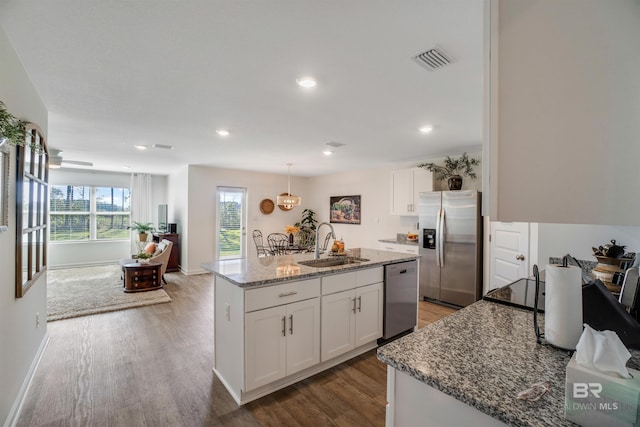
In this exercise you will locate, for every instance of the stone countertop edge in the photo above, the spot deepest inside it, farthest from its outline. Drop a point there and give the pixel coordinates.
(270, 270)
(400, 242)
(484, 355)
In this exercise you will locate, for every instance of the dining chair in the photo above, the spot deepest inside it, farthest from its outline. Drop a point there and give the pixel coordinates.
(261, 249)
(278, 243)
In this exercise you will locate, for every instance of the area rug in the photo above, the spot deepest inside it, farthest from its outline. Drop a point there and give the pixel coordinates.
(75, 292)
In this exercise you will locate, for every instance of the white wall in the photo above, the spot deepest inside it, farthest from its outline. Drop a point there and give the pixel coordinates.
(199, 245)
(557, 240)
(178, 209)
(73, 254)
(374, 187)
(195, 214)
(20, 339)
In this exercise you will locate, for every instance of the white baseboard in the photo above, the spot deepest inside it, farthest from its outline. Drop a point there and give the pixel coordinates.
(84, 264)
(14, 413)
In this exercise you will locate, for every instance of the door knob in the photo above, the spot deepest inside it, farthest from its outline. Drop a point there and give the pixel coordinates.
(520, 257)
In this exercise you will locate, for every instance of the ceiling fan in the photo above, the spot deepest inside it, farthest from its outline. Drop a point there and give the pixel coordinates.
(56, 160)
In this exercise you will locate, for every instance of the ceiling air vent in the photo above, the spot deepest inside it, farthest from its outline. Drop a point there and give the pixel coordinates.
(434, 59)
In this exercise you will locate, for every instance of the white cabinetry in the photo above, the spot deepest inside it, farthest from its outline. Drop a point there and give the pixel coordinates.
(280, 341)
(406, 185)
(282, 331)
(554, 135)
(352, 310)
(270, 337)
(398, 247)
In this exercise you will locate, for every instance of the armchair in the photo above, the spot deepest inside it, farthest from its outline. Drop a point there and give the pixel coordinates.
(161, 255)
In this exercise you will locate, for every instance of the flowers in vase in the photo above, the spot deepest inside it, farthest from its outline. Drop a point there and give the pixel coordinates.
(291, 229)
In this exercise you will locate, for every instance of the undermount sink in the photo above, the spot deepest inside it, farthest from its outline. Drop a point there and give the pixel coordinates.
(332, 262)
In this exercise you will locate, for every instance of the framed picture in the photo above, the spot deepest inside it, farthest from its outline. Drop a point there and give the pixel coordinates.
(344, 209)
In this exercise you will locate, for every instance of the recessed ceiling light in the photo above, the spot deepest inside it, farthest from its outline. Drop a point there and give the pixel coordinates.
(327, 152)
(426, 129)
(306, 82)
(222, 132)
(141, 147)
(126, 167)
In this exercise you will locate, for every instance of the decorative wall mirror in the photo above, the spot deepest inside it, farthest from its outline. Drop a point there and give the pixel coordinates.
(4, 186)
(32, 182)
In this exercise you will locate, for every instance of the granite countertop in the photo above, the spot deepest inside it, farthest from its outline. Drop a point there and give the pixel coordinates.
(483, 355)
(247, 272)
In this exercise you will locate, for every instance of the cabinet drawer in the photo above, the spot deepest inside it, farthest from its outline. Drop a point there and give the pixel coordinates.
(369, 276)
(271, 296)
(338, 283)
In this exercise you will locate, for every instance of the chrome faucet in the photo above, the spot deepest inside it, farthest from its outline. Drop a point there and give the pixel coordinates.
(316, 253)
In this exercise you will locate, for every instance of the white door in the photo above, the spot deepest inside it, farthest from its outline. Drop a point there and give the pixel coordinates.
(265, 346)
(303, 335)
(338, 324)
(231, 224)
(368, 313)
(509, 255)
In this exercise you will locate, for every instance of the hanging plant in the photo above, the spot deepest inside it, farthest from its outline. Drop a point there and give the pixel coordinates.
(462, 166)
(11, 128)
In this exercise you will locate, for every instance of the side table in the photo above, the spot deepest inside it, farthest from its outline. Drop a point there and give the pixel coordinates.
(140, 277)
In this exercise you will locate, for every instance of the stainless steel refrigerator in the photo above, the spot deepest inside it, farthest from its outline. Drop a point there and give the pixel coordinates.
(450, 247)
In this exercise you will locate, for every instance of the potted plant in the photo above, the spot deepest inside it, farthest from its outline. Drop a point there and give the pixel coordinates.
(307, 225)
(142, 229)
(453, 169)
(12, 130)
(143, 257)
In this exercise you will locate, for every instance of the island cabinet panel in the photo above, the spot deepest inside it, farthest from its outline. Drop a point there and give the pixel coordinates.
(281, 341)
(352, 317)
(270, 296)
(338, 282)
(338, 324)
(265, 346)
(369, 312)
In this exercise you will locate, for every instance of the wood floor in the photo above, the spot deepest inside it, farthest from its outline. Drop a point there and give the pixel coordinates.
(151, 366)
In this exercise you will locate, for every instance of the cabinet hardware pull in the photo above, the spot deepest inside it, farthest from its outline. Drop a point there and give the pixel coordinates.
(284, 326)
(520, 257)
(354, 306)
(287, 294)
(360, 304)
(291, 324)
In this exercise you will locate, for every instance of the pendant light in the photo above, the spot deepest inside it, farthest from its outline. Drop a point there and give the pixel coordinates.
(287, 201)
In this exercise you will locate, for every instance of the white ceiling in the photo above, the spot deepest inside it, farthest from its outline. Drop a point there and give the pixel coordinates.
(117, 73)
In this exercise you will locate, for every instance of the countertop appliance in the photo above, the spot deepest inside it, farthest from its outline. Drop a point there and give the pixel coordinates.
(521, 294)
(400, 305)
(450, 247)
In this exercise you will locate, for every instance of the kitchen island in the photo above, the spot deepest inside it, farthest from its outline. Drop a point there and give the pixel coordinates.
(278, 321)
(467, 369)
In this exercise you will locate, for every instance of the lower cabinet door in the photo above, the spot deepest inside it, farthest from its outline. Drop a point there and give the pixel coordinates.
(369, 309)
(303, 335)
(265, 346)
(338, 324)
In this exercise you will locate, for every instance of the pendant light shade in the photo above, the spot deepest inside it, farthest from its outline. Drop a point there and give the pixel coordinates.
(287, 200)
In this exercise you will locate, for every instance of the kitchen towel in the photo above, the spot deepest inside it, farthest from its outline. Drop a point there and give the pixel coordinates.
(563, 306)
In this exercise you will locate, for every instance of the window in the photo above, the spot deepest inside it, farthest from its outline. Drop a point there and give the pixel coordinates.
(32, 178)
(231, 223)
(89, 213)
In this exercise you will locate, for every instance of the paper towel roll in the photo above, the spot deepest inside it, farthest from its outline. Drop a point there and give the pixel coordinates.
(563, 306)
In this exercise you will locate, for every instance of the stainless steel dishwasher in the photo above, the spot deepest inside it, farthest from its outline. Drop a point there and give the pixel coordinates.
(400, 298)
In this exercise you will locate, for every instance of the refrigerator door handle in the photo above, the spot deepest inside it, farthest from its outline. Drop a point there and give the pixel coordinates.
(441, 237)
(438, 238)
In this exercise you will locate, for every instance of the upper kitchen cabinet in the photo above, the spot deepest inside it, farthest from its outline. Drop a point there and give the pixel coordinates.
(563, 111)
(406, 185)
